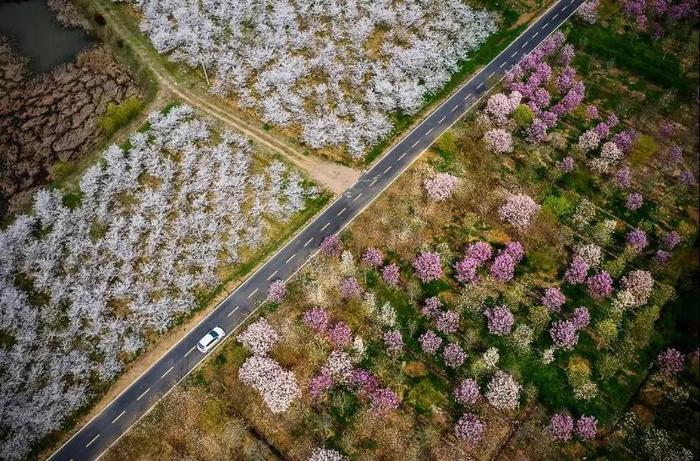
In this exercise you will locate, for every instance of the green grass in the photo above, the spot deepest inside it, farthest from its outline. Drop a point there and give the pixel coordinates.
(637, 54)
(120, 115)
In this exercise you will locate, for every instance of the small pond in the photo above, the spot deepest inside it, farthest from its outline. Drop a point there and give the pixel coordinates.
(37, 34)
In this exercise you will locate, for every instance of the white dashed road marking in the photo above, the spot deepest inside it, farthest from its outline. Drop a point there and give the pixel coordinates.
(307, 242)
(230, 313)
(290, 258)
(385, 172)
(442, 119)
(92, 441)
(455, 108)
(256, 290)
(415, 144)
(358, 196)
(513, 55)
(480, 85)
(161, 377)
(118, 416)
(188, 352)
(322, 229)
(271, 275)
(143, 393)
(402, 155)
(372, 183)
(342, 211)
(431, 129)
(491, 74)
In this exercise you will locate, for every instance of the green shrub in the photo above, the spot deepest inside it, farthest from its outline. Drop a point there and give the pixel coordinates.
(643, 149)
(606, 330)
(523, 115)
(118, 116)
(560, 206)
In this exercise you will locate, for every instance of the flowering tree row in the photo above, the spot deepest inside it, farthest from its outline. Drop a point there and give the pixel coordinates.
(81, 286)
(368, 59)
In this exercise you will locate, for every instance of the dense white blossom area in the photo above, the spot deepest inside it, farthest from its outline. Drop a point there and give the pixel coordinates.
(81, 286)
(334, 70)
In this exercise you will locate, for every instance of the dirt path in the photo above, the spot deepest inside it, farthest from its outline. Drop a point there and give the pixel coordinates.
(334, 176)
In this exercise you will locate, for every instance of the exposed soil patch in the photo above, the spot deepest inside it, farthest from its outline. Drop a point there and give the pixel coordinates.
(52, 117)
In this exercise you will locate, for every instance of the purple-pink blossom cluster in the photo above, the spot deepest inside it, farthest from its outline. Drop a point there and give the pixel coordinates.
(470, 429)
(431, 307)
(372, 257)
(671, 361)
(561, 427)
(339, 371)
(577, 271)
(390, 274)
(447, 322)
(441, 186)
(580, 318)
(623, 177)
(634, 201)
(553, 299)
(465, 270)
(670, 240)
(587, 427)
(637, 239)
(454, 355)
(393, 342)
(503, 267)
(515, 250)
(384, 400)
(430, 342)
(518, 211)
(350, 287)
(277, 291)
(339, 335)
(656, 17)
(564, 333)
(600, 285)
(331, 246)
(479, 251)
(531, 76)
(317, 319)
(566, 165)
(428, 266)
(467, 392)
(500, 320)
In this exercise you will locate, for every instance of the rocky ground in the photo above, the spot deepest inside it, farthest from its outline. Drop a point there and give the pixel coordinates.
(51, 117)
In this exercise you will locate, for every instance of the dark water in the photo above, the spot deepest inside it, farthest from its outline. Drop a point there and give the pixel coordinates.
(36, 34)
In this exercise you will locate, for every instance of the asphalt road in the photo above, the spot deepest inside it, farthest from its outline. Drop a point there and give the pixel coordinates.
(105, 428)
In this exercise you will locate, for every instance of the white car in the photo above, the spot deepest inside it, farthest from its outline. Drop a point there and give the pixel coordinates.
(210, 340)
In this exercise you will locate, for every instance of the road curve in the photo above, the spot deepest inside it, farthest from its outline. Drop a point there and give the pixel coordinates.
(93, 439)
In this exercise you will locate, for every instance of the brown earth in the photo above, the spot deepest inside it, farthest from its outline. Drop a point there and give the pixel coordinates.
(52, 117)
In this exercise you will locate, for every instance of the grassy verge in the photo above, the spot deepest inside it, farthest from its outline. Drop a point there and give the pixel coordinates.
(118, 120)
(489, 50)
(638, 54)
